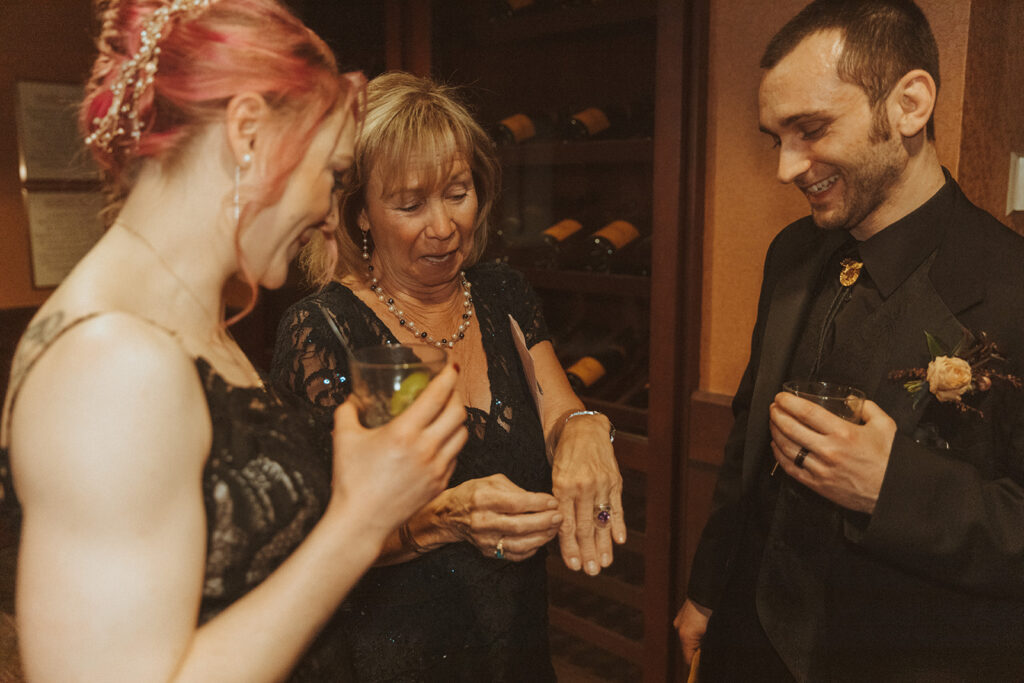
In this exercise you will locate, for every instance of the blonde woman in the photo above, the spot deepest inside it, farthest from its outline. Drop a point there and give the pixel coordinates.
(461, 593)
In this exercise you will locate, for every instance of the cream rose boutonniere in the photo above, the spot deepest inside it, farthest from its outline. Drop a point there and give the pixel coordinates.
(952, 373)
(948, 378)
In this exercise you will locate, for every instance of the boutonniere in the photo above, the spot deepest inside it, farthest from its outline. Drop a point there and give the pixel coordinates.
(972, 365)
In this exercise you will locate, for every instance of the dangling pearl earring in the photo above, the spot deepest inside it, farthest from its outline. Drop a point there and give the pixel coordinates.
(246, 160)
(238, 212)
(366, 246)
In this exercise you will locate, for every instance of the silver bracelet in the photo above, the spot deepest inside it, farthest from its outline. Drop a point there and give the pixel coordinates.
(577, 413)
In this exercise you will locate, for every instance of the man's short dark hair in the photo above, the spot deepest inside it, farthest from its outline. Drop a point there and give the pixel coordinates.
(882, 41)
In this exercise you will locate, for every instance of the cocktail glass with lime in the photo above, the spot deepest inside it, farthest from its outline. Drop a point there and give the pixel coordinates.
(387, 379)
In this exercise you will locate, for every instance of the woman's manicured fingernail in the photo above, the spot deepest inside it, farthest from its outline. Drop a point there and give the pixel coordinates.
(592, 567)
(574, 562)
(605, 560)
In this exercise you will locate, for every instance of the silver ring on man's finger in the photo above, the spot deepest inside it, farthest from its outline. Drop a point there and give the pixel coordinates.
(801, 455)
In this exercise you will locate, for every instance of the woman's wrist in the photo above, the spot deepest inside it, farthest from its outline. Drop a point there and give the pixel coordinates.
(427, 530)
(581, 416)
(343, 522)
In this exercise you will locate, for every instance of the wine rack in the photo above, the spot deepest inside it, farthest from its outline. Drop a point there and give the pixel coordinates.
(554, 58)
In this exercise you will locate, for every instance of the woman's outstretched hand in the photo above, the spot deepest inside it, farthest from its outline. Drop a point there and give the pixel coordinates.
(390, 472)
(492, 509)
(586, 475)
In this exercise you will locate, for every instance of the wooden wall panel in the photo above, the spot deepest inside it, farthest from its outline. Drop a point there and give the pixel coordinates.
(993, 111)
(711, 420)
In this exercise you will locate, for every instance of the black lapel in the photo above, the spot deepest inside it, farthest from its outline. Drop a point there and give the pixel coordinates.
(786, 312)
(958, 273)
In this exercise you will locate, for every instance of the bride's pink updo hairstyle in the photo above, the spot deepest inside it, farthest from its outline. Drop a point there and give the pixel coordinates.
(208, 53)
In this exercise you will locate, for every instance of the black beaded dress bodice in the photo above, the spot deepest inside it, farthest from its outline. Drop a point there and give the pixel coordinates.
(451, 614)
(265, 483)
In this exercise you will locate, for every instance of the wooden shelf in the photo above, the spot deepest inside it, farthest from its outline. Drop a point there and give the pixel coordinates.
(542, 23)
(607, 639)
(586, 282)
(606, 586)
(628, 151)
(626, 419)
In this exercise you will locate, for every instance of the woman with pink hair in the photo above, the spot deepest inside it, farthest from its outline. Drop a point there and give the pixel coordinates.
(180, 519)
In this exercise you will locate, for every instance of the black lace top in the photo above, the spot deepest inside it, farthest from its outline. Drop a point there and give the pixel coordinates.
(451, 614)
(265, 483)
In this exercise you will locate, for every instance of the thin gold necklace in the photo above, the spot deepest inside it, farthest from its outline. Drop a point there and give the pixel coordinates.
(245, 365)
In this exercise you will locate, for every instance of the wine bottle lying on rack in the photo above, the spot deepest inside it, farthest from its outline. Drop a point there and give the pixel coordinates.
(606, 359)
(558, 244)
(523, 127)
(614, 121)
(606, 246)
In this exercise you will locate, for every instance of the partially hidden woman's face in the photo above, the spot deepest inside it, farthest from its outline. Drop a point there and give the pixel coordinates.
(281, 230)
(422, 235)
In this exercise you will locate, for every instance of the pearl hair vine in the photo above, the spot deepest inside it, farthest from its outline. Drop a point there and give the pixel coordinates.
(135, 78)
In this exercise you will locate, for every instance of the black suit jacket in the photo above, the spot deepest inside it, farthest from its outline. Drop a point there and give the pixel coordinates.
(931, 586)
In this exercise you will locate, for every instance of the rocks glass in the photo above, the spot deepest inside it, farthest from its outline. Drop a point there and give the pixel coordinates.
(839, 399)
(387, 379)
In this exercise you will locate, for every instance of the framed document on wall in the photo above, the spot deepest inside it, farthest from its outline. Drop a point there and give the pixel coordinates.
(49, 144)
(63, 226)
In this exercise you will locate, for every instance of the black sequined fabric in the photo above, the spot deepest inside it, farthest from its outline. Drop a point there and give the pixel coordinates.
(265, 484)
(452, 614)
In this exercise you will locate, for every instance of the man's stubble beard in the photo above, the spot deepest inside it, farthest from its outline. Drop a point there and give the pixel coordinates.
(867, 183)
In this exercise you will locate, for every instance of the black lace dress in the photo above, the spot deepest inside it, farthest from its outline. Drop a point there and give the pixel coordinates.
(451, 614)
(265, 484)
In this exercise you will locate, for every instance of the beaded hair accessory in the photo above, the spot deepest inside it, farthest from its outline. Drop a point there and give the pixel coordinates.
(135, 78)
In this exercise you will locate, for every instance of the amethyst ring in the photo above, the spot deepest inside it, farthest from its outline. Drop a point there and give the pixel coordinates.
(603, 513)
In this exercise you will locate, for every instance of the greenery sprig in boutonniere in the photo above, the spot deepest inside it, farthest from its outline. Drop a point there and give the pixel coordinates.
(971, 365)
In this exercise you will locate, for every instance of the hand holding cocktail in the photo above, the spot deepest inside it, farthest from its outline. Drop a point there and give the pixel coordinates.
(842, 461)
(386, 379)
(405, 462)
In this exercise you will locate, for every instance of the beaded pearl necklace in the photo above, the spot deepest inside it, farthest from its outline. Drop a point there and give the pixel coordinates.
(423, 335)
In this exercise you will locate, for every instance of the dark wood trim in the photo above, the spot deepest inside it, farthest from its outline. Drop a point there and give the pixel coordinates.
(632, 451)
(678, 205)
(408, 35)
(393, 35)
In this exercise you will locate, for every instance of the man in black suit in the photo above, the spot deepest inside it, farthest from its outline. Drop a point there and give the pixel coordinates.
(891, 549)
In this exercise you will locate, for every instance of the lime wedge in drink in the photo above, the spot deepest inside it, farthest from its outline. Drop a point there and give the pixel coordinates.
(407, 392)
